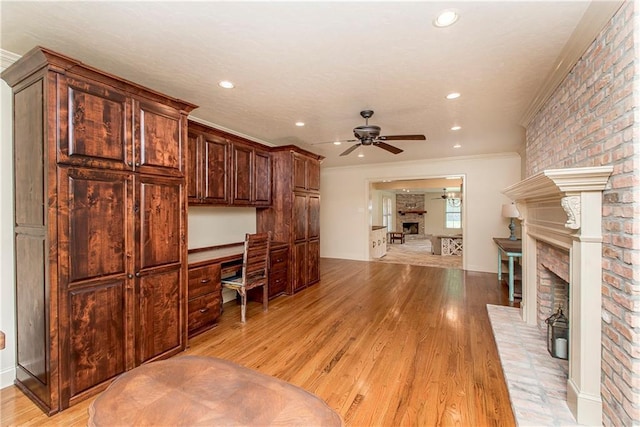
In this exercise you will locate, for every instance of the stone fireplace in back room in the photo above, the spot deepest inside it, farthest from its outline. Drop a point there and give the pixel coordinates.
(562, 263)
(410, 215)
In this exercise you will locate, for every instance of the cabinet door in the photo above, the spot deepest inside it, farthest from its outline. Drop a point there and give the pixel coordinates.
(242, 174)
(313, 215)
(94, 125)
(158, 139)
(216, 169)
(194, 172)
(299, 267)
(313, 175)
(300, 220)
(313, 261)
(299, 172)
(159, 326)
(160, 252)
(262, 178)
(96, 248)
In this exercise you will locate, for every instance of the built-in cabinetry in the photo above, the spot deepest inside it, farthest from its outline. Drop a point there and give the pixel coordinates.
(100, 212)
(294, 216)
(378, 241)
(225, 169)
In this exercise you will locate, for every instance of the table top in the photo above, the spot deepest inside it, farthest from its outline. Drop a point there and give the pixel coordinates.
(509, 246)
(196, 390)
(225, 253)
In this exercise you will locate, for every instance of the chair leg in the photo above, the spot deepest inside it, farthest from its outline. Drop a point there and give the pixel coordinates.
(265, 298)
(243, 305)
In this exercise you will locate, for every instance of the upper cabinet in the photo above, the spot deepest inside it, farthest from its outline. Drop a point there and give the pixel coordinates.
(227, 170)
(209, 161)
(306, 173)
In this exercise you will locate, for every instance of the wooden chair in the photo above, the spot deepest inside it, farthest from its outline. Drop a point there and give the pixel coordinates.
(255, 270)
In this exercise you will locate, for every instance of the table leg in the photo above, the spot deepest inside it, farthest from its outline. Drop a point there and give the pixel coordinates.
(499, 264)
(510, 278)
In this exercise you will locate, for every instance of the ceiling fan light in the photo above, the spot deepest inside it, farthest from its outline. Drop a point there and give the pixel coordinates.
(337, 143)
(360, 155)
(445, 18)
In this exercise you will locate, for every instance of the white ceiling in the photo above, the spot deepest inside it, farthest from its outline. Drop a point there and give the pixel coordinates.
(324, 62)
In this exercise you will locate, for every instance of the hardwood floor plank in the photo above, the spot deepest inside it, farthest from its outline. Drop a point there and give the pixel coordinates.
(382, 344)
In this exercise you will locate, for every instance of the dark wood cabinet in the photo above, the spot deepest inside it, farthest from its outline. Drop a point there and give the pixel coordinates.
(205, 297)
(100, 219)
(294, 216)
(209, 160)
(251, 178)
(226, 170)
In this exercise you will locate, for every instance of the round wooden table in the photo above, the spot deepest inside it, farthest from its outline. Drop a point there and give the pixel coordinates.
(193, 390)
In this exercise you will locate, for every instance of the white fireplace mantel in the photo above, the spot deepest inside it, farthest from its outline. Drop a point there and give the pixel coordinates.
(563, 208)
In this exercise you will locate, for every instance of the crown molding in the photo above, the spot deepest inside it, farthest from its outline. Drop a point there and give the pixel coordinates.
(7, 58)
(597, 15)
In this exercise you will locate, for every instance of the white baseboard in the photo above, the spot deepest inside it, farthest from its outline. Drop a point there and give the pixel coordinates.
(7, 377)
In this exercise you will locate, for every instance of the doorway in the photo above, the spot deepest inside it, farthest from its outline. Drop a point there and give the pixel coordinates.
(429, 214)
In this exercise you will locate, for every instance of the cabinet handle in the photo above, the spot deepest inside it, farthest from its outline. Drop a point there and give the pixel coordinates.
(138, 274)
(279, 260)
(130, 276)
(137, 164)
(204, 310)
(205, 280)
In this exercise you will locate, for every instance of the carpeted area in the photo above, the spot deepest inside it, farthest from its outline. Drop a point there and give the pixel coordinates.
(536, 381)
(418, 252)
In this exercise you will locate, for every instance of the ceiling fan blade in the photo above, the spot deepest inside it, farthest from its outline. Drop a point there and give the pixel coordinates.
(333, 142)
(402, 138)
(389, 148)
(350, 149)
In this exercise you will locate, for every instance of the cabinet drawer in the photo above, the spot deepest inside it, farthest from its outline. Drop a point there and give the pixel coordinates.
(279, 259)
(204, 310)
(277, 282)
(203, 280)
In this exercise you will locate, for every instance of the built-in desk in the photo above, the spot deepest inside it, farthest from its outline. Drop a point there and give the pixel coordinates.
(511, 249)
(207, 266)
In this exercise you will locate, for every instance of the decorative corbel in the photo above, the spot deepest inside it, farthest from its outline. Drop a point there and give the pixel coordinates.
(572, 206)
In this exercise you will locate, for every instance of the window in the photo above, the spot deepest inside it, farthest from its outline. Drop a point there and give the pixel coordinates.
(386, 212)
(453, 214)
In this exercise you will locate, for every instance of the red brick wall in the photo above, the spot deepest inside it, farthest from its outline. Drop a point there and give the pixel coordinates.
(553, 278)
(589, 121)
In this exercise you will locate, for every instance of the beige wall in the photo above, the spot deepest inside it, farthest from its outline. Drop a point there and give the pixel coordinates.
(211, 226)
(7, 311)
(592, 120)
(344, 217)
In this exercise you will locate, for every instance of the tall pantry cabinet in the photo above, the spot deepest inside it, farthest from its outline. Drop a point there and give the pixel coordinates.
(100, 226)
(294, 216)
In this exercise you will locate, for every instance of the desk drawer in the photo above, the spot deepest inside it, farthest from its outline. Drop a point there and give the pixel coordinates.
(203, 311)
(279, 259)
(203, 280)
(277, 282)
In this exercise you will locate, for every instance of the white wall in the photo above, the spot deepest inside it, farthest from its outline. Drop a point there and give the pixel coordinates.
(344, 216)
(212, 226)
(7, 292)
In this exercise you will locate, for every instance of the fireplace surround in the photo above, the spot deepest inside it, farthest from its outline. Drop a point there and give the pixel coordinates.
(563, 208)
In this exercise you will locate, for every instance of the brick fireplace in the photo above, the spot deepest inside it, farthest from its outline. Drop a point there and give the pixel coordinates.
(562, 236)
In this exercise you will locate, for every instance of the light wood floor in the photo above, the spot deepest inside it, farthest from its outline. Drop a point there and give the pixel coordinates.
(382, 344)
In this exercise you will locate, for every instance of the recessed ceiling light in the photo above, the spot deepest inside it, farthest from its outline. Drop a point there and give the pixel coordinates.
(456, 127)
(445, 18)
(457, 146)
(360, 155)
(299, 124)
(453, 95)
(226, 84)
(337, 143)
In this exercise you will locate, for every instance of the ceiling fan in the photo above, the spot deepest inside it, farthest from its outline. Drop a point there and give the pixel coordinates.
(370, 135)
(452, 197)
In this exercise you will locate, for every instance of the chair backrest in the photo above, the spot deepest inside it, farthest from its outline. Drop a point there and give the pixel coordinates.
(255, 262)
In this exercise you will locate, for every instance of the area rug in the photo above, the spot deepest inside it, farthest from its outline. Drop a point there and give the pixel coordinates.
(536, 381)
(418, 252)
